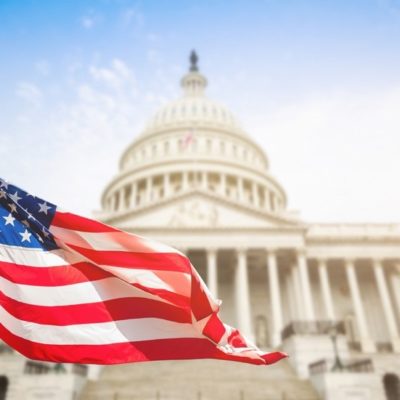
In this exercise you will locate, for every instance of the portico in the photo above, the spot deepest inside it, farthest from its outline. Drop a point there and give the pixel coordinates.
(293, 287)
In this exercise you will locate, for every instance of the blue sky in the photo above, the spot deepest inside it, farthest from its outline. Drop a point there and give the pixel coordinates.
(316, 83)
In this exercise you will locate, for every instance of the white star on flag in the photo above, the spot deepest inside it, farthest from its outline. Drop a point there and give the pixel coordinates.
(45, 233)
(13, 207)
(26, 236)
(14, 197)
(10, 219)
(44, 207)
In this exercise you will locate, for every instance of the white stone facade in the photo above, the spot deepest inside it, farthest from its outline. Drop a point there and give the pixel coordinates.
(196, 180)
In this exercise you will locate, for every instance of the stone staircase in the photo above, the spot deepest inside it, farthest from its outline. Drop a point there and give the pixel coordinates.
(198, 380)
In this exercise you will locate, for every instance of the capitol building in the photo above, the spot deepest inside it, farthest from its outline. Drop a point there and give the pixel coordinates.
(326, 294)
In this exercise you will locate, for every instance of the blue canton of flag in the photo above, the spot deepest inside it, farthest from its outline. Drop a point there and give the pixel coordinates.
(25, 219)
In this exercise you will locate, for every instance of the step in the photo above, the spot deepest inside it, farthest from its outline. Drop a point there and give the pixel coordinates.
(200, 379)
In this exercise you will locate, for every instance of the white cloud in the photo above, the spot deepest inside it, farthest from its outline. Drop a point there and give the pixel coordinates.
(90, 20)
(115, 76)
(29, 92)
(79, 139)
(87, 22)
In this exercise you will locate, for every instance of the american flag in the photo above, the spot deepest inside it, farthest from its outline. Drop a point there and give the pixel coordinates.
(75, 290)
(188, 139)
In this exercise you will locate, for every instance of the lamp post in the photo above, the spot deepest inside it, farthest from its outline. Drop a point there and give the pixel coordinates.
(333, 331)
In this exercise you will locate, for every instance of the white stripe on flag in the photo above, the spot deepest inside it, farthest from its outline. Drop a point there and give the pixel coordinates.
(130, 330)
(110, 241)
(37, 257)
(78, 293)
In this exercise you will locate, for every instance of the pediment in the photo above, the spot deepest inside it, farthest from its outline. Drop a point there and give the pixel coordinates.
(198, 210)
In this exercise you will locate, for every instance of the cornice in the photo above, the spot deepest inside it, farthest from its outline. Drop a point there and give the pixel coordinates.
(263, 175)
(115, 218)
(245, 138)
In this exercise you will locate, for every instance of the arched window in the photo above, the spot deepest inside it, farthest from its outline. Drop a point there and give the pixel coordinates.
(3, 387)
(166, 147)
(391, 383)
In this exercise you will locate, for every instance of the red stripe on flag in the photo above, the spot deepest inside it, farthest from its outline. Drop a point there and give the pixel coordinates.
(153, 261)
(106, 311)
(78, 223)
(200, 303)
(214, 329)
(52, 276)
(175, 298)
(149, 350)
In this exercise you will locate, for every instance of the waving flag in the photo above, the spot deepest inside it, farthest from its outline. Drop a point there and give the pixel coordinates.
(187, 140)
(75, 290)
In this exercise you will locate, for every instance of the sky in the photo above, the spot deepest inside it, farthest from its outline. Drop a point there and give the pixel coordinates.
(315, 83)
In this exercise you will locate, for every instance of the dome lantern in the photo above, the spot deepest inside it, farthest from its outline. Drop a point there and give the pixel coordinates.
(193, 83)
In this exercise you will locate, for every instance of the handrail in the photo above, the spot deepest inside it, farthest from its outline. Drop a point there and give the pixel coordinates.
(354, 366)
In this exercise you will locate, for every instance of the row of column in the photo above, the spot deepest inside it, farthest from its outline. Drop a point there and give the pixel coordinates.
(121, 200)
(300, 290)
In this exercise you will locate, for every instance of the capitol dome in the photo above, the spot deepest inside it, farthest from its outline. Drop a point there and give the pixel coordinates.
(194, 145)
(194, 108)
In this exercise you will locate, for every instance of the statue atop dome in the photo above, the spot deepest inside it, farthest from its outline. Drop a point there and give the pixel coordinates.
(193, 61)
(193, 82)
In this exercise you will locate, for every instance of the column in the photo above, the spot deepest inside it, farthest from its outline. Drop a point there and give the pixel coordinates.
(120, 201)
(132, 200)
(305, 286)
(275, 298)
(212, 274)
(367, 345)
(113, 202)
(240, 188)
(242, 295)
(395, 284)
(326, 290)
(256, 197)
(272, 199)
(166, 185)
(222, 186)
(185, 180)
(204, 180)
(267, 203)
(148, 189)
(386, 304)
